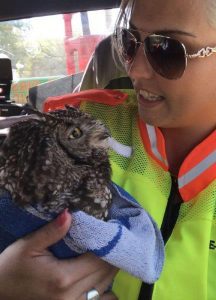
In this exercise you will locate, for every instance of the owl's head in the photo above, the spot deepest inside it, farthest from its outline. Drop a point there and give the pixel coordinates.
(68, 132)
(78, 133)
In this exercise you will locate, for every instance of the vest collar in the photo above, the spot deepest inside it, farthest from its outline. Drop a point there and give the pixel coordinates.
(198, 169)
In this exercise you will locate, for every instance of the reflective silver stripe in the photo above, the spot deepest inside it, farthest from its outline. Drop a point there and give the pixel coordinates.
(119, 148)
(197, 170)
(153, 142)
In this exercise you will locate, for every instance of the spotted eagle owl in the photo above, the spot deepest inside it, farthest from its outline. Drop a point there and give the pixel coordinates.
(59, 160)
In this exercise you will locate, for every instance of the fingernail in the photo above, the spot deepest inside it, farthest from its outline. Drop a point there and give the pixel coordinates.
(61, 219)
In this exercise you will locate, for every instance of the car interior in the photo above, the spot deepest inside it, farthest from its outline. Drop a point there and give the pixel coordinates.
(46, 49)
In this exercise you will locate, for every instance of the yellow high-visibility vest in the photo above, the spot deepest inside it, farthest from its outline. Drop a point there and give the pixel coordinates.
(139, 165)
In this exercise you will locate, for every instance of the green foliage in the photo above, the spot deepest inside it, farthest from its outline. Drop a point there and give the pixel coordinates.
(31, 57)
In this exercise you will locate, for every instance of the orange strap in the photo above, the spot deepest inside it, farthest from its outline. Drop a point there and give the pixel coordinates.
(198, 169)
(110, 97)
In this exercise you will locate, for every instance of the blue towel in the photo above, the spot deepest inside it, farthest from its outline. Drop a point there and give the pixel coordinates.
(129, 240)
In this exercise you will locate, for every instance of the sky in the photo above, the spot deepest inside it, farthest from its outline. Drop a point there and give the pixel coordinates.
(53, 26)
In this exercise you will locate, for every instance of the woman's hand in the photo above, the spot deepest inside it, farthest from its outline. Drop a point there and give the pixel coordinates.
(28, 271)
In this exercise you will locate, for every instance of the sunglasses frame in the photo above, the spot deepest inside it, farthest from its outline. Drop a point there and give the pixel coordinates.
(202, 53)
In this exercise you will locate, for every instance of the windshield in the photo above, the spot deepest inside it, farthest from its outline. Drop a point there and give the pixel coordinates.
(47, 48)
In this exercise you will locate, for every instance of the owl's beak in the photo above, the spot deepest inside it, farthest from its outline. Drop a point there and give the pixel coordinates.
(105, 136)
(102, 140)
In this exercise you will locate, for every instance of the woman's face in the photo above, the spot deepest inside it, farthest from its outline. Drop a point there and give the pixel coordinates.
(191, 100)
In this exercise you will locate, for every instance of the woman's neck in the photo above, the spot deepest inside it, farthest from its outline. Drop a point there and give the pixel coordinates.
(180, 142)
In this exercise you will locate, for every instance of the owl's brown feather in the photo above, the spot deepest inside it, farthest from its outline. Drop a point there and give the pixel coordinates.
(58, 161)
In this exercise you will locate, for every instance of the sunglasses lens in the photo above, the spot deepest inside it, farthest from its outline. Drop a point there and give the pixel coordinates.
(127, 45)
(166, 56)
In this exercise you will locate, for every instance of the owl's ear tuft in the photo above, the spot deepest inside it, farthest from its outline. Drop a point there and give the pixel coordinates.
(70, 107)
(10, 121)
(29, 109)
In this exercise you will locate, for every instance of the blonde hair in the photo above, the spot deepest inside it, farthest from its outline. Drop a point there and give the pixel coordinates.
(124, 13)
(211, 12)
(122, 21)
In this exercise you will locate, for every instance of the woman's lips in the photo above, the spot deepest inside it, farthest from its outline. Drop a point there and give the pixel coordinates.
(149, 99)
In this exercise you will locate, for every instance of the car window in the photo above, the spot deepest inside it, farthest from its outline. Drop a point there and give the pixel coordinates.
(51, 47)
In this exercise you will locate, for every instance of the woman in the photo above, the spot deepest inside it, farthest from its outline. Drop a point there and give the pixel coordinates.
(174, 138)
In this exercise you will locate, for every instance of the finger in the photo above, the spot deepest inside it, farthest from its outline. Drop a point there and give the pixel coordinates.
(48, 234)
(109, 296)
(105, 282)
(100, 280)
(84, 265)
(65, 288)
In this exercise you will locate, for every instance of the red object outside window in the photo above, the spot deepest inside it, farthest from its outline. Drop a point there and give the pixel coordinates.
(78, 50)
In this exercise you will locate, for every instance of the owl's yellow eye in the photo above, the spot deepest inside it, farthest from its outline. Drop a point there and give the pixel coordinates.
(76, 133)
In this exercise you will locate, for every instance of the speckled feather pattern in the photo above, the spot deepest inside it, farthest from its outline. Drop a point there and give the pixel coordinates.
(58, 161)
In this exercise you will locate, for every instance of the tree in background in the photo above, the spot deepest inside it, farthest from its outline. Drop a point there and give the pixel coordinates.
(38, 58)
(11, 35)
(45, 57)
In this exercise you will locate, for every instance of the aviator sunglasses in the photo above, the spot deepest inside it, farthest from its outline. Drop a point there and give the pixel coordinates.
(167, 56)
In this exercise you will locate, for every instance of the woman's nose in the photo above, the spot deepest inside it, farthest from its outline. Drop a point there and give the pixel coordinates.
(140, 67)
